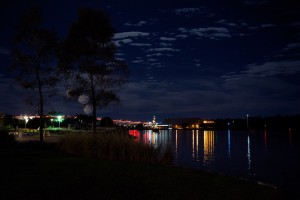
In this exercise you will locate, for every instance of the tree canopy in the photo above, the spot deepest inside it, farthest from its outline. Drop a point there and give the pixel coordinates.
(87, 59)
(33, 58)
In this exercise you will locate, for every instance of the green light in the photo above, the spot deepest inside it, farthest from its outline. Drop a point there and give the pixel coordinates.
(59, 119)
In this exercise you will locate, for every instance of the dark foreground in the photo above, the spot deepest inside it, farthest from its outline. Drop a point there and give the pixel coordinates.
(43, 173)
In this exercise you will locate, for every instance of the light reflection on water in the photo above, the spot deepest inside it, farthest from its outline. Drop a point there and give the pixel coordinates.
(208, 147)
(263, 156)
(249, 155)
(228, 139)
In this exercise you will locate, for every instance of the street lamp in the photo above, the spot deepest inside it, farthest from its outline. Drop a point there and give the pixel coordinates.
(26, 118)
(59, 119)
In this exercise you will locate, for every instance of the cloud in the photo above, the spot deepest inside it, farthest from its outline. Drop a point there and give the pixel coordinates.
(163, 49)
(292, 46)
(202, 98)
(255, 2)
(119, 43)
(213, 33)
(267, 69)
(182, 36)
(188, 12)
(4, 51)
(137, 61)
(141, 44)
(225, 22)
(163, 44)
(140, 23)
(261, 95)
(155, 54)
(167, 39)
(267, 25)
(130, 34)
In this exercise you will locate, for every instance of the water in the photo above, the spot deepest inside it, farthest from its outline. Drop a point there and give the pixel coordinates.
(269, 157)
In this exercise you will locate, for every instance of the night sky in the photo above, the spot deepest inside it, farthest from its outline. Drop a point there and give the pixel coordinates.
(188, 58)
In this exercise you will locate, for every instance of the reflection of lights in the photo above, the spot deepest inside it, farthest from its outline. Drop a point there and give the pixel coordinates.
(195, 144)
(290, 135)
(265, 138)
(176, 144)
(150, 137)
(249, 154)
(136, 134)
(209, 146)
(228, 138)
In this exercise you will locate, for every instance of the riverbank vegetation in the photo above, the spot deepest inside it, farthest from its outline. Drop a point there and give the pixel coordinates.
(68, 170)
(114, 144)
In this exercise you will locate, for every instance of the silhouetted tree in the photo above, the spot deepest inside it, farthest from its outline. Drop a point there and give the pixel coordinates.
(88, 60)
(10, 120)
(32, 55)
(106, 122)
(184, 124)
(140, 126)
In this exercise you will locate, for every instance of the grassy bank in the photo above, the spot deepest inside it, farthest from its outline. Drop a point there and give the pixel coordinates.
(38, 172)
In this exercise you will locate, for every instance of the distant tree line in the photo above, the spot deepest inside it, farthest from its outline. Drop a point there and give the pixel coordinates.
(79, 121)
(277, 122)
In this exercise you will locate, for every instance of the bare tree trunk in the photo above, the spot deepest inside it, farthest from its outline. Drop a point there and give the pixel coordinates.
(41, 117)
(41, 102)
(93, 104)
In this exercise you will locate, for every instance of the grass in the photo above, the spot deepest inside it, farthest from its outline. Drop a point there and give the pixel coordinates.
(32, 171)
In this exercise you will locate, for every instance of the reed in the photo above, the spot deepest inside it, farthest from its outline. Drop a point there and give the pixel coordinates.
(115, 145)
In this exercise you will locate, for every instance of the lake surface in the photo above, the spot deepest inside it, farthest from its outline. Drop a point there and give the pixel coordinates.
(269, 157)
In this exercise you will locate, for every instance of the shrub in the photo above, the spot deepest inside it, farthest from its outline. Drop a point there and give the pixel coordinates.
(6, 140)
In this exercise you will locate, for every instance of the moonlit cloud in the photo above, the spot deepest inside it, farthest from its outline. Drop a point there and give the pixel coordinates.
(163, 49)
(130, 34)
(267, 69)
(141, 44)
(182, 36)
(167, 39)
(118, 43)
(140, 23)
(225, 22)
(137, 61)
(194, 11)
(213, 33)
(163, 44)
